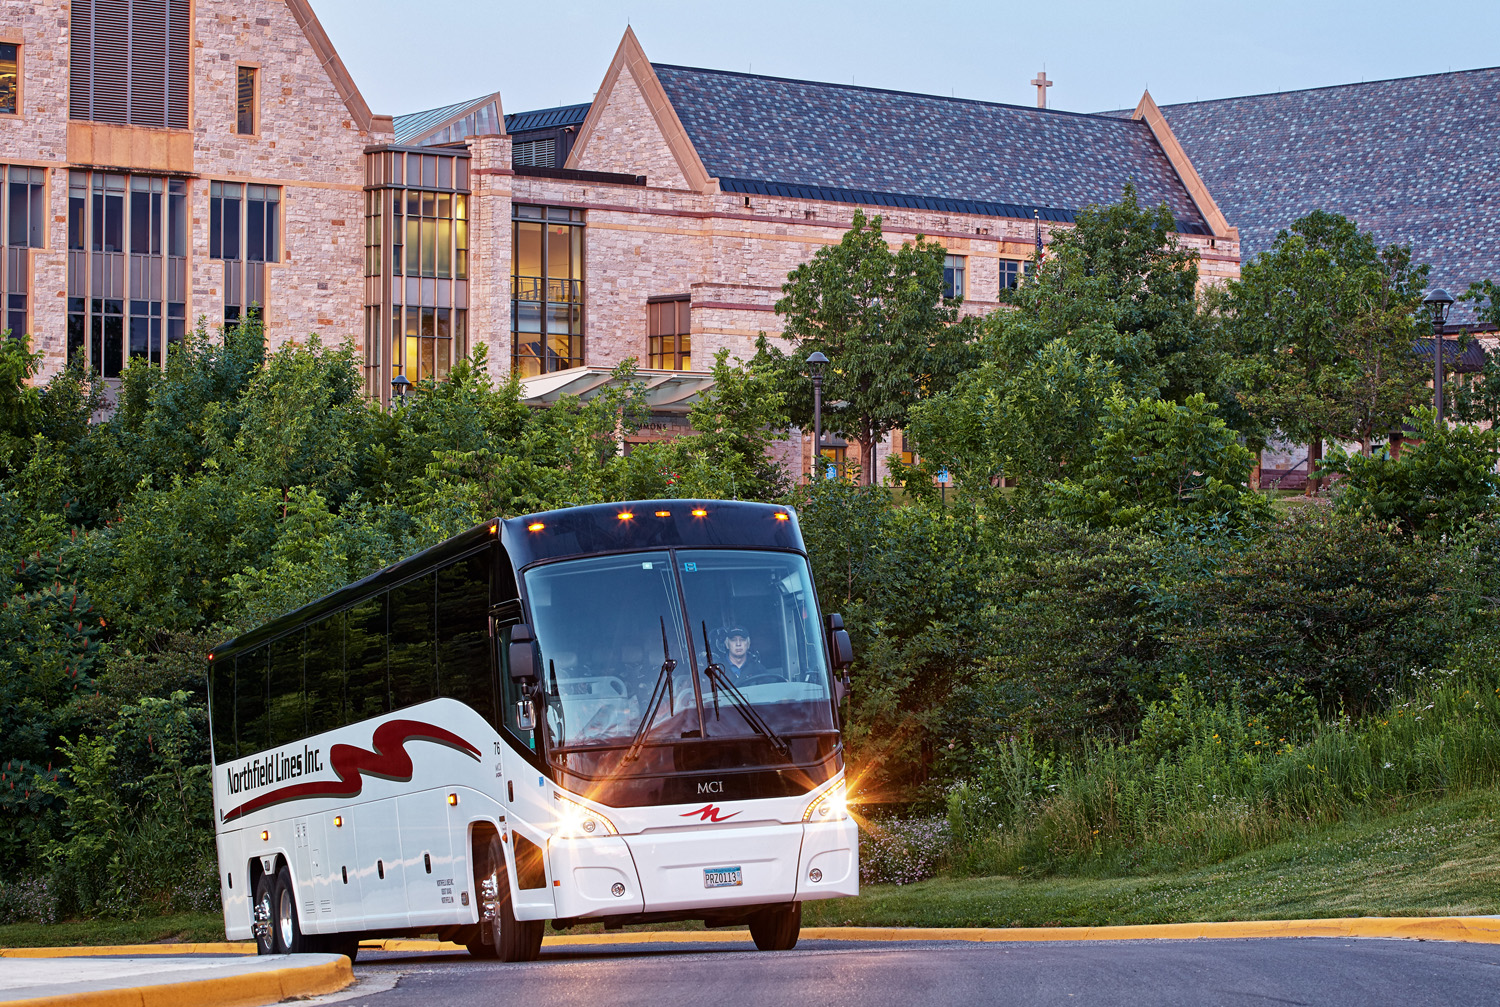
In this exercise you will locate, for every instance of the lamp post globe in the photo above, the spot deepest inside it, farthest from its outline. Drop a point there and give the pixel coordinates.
(1438, 302)
(400, 385)
(816, 364)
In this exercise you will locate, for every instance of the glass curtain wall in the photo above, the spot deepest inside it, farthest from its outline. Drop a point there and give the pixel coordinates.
(546, 290)
(127, 269)
(416, 265)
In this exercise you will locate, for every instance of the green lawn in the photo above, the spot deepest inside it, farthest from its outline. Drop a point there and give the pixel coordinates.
(1439, 860)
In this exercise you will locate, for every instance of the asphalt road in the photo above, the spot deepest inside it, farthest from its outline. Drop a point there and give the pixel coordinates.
(1326, 972)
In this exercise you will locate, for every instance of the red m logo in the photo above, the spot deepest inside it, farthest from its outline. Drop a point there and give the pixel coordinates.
(708, 813)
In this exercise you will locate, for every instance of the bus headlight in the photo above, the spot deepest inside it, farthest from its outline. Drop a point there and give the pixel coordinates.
(831, 805)
(574, 821)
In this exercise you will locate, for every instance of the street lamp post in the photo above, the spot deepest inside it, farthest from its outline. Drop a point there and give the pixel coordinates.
(1438, 302)
(400, 385)
(816, 362)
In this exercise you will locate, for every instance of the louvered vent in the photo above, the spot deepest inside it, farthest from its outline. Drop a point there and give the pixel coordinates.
(535, 153)
(129, 62)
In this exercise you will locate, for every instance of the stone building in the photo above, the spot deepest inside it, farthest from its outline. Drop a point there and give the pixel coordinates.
(171, 159)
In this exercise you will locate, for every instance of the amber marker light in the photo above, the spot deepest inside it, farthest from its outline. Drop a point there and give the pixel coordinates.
(265, 836)
(663, 513)
(699, 512)
(535, 526)
(338, 821)
(625, 515)
(452, 799)
(781, 517)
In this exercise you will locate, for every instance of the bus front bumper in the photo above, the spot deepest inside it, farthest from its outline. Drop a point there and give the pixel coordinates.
(676, 871)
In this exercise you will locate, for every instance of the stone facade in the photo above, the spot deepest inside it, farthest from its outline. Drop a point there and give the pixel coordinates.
(312, 128)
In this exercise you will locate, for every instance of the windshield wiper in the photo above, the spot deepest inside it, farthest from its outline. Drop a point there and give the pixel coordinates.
(716, 678)
(663, 678)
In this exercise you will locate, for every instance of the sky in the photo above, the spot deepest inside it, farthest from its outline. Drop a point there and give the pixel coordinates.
(407, 56)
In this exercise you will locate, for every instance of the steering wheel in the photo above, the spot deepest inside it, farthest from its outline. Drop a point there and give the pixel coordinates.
(764, 678)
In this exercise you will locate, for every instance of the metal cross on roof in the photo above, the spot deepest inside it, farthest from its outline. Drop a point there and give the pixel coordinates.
(1041, 83)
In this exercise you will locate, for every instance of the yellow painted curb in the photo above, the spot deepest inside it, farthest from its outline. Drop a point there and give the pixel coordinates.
(131, 949)
(245, 990)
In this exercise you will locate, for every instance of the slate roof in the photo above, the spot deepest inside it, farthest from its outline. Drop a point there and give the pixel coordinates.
(1412, 160)
(546, 118)
(863, 144)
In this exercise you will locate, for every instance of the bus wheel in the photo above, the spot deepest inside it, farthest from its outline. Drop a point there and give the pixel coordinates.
(500, 935)
(287, 931)
(265, 940)
(777, 929)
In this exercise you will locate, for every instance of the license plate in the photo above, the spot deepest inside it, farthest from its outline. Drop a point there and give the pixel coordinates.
(722, 877)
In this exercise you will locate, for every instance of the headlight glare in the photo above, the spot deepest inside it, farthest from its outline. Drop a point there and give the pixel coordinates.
(575, 821)
(832, 805)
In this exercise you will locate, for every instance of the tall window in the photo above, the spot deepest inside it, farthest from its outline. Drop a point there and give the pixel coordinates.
(10, 78)
(127, 268)
(416, 264)
(244, 229)
(244, 101)
(128, 62)
(23, 213)
(953, 276)
(670, 342)
(546, 290)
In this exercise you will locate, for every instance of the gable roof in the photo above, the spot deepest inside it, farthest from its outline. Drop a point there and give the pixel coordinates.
(417, 128)
(861, 144)
(312, 30)
(1410, 159)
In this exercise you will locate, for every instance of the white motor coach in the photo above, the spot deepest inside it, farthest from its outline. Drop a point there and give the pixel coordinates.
(623, 713)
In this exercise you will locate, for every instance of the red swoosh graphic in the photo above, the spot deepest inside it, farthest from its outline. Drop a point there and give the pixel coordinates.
(708, 813)
(388, 761)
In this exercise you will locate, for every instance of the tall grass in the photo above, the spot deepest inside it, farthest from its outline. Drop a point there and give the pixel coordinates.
(1207, 780)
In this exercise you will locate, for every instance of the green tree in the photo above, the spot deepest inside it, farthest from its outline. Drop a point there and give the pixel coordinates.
(881, 319)
(1155, 459)
(1323, 325)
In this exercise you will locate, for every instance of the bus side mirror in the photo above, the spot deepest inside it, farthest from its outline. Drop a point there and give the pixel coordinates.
(839, 646)
(523, 655)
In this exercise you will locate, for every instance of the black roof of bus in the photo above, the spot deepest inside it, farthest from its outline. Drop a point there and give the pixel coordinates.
(595, 528)
(652, 524)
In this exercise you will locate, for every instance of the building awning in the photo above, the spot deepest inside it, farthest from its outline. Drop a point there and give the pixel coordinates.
(666, 391)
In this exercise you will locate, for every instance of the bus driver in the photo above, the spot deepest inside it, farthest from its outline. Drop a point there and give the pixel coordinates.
(742, 666)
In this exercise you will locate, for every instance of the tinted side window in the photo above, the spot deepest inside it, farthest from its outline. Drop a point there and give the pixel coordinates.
(366, 691)
(288, 720)
(324, 670)
(250, 700)
(221, 700)
(413, 646)
(463, 634)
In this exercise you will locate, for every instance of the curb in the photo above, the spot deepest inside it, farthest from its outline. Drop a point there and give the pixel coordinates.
(1467, 929)
(264, 987)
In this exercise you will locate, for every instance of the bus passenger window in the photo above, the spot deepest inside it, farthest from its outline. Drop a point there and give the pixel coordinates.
(221, 699)
(365, 661)
(250, 700)
(288, 720)
(325, 674)
(463, 635)
(413, 648)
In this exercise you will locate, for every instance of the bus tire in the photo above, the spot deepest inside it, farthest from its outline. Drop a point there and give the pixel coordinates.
(284, 924)
(505, 938)
(340, 944)
(260, 915)
(777, 929)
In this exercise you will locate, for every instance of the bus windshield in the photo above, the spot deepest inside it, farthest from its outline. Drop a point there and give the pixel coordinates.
(655, 648)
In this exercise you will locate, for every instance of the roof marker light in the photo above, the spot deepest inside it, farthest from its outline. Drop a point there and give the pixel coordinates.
(699, 512)
(663, 513)
(625, 515)
(781, 516)
(535, 526)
